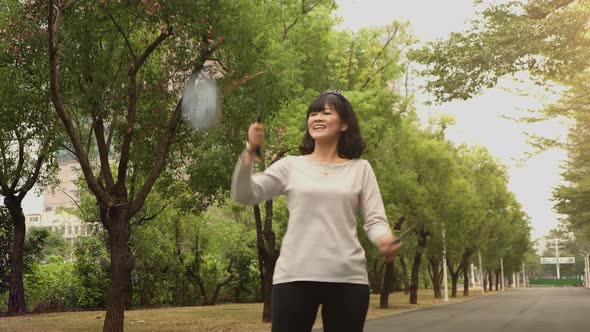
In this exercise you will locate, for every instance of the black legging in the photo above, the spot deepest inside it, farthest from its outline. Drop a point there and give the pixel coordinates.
(295, 306)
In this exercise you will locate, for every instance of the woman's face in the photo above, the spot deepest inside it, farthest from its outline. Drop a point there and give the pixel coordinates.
(325, 125)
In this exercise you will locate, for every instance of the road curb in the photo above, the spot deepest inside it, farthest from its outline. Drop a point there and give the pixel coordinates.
(403, 312)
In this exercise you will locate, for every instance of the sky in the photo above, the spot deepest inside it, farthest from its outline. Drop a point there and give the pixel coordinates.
(479, 120)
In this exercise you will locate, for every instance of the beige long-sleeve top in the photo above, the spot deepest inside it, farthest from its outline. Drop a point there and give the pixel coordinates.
(323, 200)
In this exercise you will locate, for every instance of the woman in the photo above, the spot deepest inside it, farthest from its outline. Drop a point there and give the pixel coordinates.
(321, 260)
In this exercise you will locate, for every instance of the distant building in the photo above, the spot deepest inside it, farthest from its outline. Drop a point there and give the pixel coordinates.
(65, 193)
(53, 216)
(61, 222)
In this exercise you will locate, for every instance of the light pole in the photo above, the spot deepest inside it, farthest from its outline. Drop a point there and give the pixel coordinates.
(586, 270)
(444, 262)
(556, 242)
(557, 255)
(483, 290)
(502, 271)
(472, 275)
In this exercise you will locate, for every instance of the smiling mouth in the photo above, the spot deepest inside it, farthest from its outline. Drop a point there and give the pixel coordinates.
(316, 127)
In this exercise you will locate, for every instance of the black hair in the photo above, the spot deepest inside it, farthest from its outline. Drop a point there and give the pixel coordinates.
(351, 143)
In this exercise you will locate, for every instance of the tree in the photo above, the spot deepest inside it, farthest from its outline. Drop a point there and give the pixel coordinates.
(573, 196)
(418, 167)
(29, 135)
(109, 83)
(483, 198)
(550, 40)
(547, 38)
(287, 49)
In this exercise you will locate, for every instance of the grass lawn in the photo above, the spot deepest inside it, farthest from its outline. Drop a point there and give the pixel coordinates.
(226, 317)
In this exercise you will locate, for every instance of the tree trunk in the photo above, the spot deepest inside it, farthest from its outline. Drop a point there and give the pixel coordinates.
(436, 275)
(179, 282)
(121, 266)
(272, 252)
(414, 285)
(455, 273)
(404, 274)
(497, 274)
(267, 255)
(491, 280)
(226, 281)
(266, 312)
(386, 287)
(377, 275)
(16, 295)
(197, 272)
(466, 278)
(261, 264)
(455, 281)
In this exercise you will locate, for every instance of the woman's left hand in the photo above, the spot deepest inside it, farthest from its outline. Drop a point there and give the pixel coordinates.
(388, 246)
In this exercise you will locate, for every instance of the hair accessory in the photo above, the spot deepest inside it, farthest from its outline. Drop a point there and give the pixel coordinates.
(336, 93)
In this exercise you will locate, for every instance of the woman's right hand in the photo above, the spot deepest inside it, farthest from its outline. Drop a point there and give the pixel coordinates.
(255, 137)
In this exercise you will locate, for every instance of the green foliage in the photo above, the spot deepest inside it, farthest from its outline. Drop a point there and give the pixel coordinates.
(158, 275)
(48, 278)
(51, 286)
(502, 42)
(188, 239)
(179, 254)
(91, 271)
(35, 242)
(29, 132)
(222, 238)
(56, 245)
(549, 39)
(573, 195)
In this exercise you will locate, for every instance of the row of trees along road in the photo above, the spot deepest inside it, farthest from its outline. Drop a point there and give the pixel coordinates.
(102, 80)
(550, 41)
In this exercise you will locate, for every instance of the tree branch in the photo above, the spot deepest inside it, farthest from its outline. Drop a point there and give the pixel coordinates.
(111, 132)
(540, 13)
(229, 278)
(304, 11)
(21, 159)
(151, 48)
(132, 109)
(41, 158)
(67, 148)
(370, 78)
(142, 220)
(103, 152)
(75, 202)
(53, 29)
(390, 38)
(168, 136)
(234, 85)
(350, 55)
(122, 34)
(89, 141)
(132, 182)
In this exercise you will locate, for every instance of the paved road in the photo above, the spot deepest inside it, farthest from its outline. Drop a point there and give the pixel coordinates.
(519, 310)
